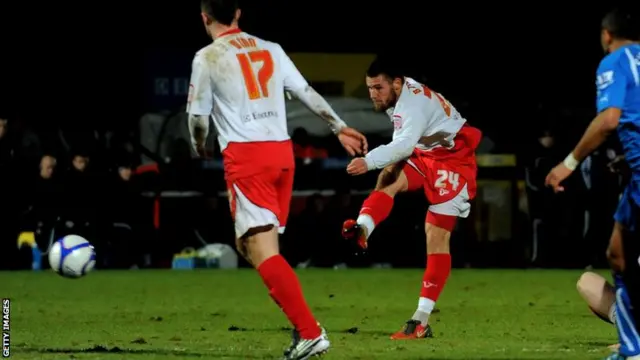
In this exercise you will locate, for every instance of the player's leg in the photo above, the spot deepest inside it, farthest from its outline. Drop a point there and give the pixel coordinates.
(440, 222)
(301, 347)
(631, 279)
(599, 295)
(256, 205)
(392, 180)
(625, 239)
(629, 347)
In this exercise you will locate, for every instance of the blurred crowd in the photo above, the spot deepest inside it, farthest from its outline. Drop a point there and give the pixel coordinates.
(139, 213)
(570, 228)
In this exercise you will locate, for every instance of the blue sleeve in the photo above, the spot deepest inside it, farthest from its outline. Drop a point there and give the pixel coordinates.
(611, 84)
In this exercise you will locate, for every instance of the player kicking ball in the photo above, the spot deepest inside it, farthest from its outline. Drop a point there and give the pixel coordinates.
(618, 104)
(433, 151)
(240, 80)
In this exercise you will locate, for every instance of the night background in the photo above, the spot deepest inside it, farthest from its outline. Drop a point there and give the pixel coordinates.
(95, 143)
(92, 81)
(505, 61)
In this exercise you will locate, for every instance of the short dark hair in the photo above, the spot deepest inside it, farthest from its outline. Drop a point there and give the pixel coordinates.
(222, 11)
(386, 65)
(622, 24)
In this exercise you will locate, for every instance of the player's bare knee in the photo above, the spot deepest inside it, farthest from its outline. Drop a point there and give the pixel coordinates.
(388, 176)
(392, 180)
(261, 243)
(252, 232)
(582, 285)
(241, 246)
(437, 239)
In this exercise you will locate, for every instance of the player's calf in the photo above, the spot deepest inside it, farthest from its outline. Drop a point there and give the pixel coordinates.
(623, 253)
(241, 247)
(438, 230)
(630, 293)
(599, 295)
(261, 244)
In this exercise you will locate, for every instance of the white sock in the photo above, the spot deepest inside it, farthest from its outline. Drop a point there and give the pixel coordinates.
(425, 307)
(613, 314)
(366, 222)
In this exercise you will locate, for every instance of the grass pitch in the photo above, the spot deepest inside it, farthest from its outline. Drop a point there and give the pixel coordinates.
(209, 314)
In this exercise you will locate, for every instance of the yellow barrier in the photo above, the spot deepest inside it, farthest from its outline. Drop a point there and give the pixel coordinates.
(348, 69)
(496, 160)
(27, 238)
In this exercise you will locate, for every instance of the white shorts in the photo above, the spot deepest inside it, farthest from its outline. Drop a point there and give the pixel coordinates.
(249, 215)
(260, 200)
(458, 206)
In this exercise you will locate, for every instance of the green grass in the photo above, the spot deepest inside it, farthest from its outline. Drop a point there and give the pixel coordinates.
(485, 314)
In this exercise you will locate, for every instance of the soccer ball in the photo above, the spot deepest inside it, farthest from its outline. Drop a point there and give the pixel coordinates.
(72, 256)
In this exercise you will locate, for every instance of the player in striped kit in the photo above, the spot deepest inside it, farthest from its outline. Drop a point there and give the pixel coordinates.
(240, 81)
(433, 150)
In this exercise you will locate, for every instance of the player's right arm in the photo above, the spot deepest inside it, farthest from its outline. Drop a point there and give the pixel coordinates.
(611, 86)
(294, 82)
(611, 83)
(199, 103)
(413, 123)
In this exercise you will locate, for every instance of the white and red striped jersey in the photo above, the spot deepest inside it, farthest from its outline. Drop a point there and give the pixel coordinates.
(240, 80)
(422, 119)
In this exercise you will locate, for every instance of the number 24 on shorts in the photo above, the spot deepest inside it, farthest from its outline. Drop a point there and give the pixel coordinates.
(447, 176)
(257, 86)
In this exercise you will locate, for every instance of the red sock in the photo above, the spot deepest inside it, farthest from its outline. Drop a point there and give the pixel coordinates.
(436, 275)
(378, 206)
(285, 289)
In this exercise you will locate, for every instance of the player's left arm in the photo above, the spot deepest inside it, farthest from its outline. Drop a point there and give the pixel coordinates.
(199, 104)
(413, 126)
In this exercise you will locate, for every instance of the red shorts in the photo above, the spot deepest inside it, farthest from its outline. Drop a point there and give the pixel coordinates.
(261, 199)
(447, 176)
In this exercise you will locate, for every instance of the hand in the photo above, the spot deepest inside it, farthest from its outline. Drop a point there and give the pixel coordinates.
(199, 140)
(201, 150)
(357, 166)
(557, 175)
(199, 130)
(353, 141)
(618, 165)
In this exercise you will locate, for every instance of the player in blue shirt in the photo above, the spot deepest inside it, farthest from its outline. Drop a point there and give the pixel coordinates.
(618, 105)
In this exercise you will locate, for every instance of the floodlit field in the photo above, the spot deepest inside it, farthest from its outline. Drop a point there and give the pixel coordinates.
(140, 315)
